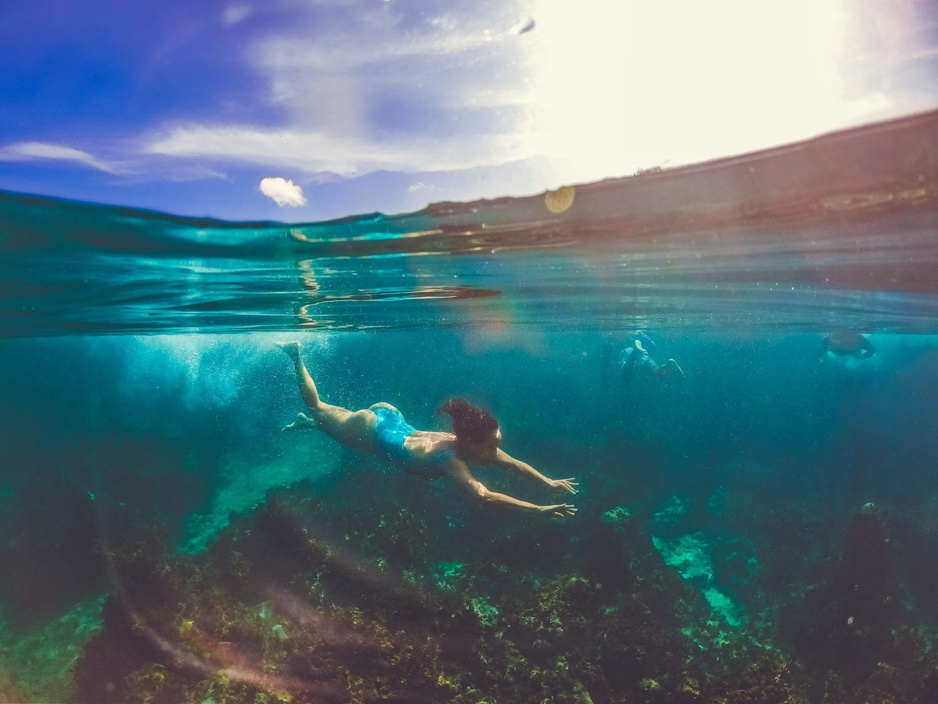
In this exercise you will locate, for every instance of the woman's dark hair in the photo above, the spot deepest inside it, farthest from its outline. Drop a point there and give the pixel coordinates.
(469, 422)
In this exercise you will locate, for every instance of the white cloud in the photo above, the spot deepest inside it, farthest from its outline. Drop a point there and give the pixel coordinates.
(236, 13)
(598, 89)
(283, 191)
(379, 72)
(371, 88)
(37, 151)
(318, 152)
(306, 150)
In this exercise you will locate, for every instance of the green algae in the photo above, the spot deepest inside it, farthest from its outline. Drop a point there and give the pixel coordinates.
(487, 614)
(38, 662)
(314, 597)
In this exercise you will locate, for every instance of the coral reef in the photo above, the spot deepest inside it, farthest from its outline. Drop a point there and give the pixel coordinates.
(334, 593)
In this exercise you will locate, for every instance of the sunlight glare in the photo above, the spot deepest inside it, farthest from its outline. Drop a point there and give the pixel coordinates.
(622, 86)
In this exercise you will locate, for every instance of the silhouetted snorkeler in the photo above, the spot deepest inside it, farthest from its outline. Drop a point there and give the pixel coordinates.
(637, 357)
(846, 343)
(381, 430)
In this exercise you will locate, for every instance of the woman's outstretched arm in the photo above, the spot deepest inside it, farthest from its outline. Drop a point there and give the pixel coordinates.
(506, 461)
(472, 486)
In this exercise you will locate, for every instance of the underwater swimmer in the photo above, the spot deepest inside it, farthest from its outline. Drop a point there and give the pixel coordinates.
(381, 430)
(637, 357)
(846, 343)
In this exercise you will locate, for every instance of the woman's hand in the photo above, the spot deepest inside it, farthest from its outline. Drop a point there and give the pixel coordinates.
(559, 510)
(567, 485)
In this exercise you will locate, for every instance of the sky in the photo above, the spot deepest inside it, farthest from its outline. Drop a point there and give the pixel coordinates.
(302, 110)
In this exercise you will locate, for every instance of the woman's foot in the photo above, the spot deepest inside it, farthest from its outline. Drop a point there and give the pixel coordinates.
(302, 422)
(291, 348)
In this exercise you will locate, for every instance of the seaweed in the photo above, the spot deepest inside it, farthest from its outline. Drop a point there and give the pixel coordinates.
(324, 593)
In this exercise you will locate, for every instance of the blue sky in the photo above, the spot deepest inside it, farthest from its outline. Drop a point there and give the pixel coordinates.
(360, 105)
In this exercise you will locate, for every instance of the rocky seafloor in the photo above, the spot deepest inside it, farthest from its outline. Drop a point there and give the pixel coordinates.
(368, 588)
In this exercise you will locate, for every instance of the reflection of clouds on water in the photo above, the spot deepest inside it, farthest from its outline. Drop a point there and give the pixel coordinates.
(310, 284)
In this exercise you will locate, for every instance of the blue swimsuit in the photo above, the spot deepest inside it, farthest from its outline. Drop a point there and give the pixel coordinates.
(391, 430)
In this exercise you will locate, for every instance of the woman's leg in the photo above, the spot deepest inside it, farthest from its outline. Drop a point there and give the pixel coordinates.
(667, 369)
(354, 429)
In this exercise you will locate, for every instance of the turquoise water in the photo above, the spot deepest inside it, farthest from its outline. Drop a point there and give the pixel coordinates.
(760, 530)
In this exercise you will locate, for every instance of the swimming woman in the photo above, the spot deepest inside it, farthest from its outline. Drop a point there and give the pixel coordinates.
(381, 430)
(636, 357)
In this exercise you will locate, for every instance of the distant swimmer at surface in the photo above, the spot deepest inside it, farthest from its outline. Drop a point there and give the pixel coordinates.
(845, 343)
(635, 357)
(382, 431)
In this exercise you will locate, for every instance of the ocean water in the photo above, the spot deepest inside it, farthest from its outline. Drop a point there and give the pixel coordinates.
(763, 528)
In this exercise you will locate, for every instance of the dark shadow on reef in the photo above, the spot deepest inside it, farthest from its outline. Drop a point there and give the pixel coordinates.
(854, 631)
(346, 592)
